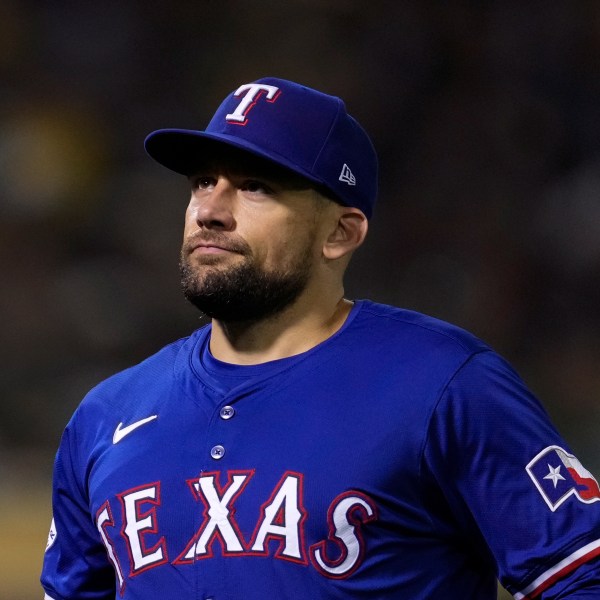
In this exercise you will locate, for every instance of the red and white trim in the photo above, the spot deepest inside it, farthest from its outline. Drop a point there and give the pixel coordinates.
(560, 570)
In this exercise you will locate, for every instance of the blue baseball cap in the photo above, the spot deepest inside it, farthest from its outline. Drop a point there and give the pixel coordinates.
(294, 126)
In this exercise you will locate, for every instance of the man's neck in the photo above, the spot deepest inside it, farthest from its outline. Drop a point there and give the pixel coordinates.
(294, 330)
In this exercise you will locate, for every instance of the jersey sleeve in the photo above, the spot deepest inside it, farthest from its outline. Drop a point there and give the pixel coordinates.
(582, 583)
(75, 562)
(512, 482)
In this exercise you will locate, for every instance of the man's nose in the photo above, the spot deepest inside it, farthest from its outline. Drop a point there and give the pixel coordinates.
(214, 209)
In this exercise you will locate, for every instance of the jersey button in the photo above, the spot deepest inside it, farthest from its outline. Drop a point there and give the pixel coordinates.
(227, 412)
(217, 452)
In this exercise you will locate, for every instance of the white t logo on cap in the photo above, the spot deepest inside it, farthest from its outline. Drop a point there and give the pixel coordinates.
(253, 93)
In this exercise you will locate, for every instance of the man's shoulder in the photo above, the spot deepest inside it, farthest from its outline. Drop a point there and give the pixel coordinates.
(147, 377)
(392, 325)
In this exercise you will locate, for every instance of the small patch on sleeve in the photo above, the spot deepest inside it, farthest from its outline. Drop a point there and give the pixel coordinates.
(51, 536)
(558, 475)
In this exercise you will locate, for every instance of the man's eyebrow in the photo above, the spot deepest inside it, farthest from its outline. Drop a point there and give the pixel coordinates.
(254, 170)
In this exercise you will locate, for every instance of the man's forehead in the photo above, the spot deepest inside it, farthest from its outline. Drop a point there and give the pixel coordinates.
(238, 162)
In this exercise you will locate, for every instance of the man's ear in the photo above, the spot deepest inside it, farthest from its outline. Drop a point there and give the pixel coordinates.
(348, 234)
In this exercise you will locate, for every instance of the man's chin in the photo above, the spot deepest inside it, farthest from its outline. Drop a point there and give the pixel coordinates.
(241, 292)
(235, 306)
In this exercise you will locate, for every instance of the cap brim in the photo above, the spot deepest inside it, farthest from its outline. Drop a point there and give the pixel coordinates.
(184, 150)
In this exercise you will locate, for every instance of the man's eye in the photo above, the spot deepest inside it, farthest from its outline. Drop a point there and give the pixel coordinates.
(202, 183)
(256, 187)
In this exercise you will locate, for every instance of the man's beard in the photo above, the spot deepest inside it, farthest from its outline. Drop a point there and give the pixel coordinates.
(244, 292)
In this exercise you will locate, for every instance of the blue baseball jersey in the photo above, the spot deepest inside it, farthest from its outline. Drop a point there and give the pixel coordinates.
(401, 458)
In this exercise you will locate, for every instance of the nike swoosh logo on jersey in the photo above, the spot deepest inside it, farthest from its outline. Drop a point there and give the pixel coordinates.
(121, 432)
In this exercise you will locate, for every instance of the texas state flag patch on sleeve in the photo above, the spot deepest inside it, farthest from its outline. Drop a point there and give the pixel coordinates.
(559, 475)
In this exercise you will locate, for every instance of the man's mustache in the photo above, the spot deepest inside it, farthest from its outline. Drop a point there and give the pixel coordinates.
(217, 239)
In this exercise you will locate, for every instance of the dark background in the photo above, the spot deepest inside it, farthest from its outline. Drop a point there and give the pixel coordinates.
(486, 116)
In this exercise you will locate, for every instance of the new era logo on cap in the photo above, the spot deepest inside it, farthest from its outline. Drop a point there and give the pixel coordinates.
(347, 176)
(295, 126)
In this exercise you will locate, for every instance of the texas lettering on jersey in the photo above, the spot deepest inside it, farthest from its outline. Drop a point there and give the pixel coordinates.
(280, 521)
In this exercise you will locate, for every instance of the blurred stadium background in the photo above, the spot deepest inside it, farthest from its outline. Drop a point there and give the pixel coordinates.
(486, 116)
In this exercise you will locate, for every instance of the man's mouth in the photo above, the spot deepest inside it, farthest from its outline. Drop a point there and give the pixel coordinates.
(203, 248)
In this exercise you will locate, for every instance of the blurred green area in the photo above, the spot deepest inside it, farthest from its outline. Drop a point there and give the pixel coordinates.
(24, 522)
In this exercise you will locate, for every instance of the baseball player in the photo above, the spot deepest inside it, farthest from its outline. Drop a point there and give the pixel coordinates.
(303, 445)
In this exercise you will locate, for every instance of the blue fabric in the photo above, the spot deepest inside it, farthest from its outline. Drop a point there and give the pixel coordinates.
(388, 462)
